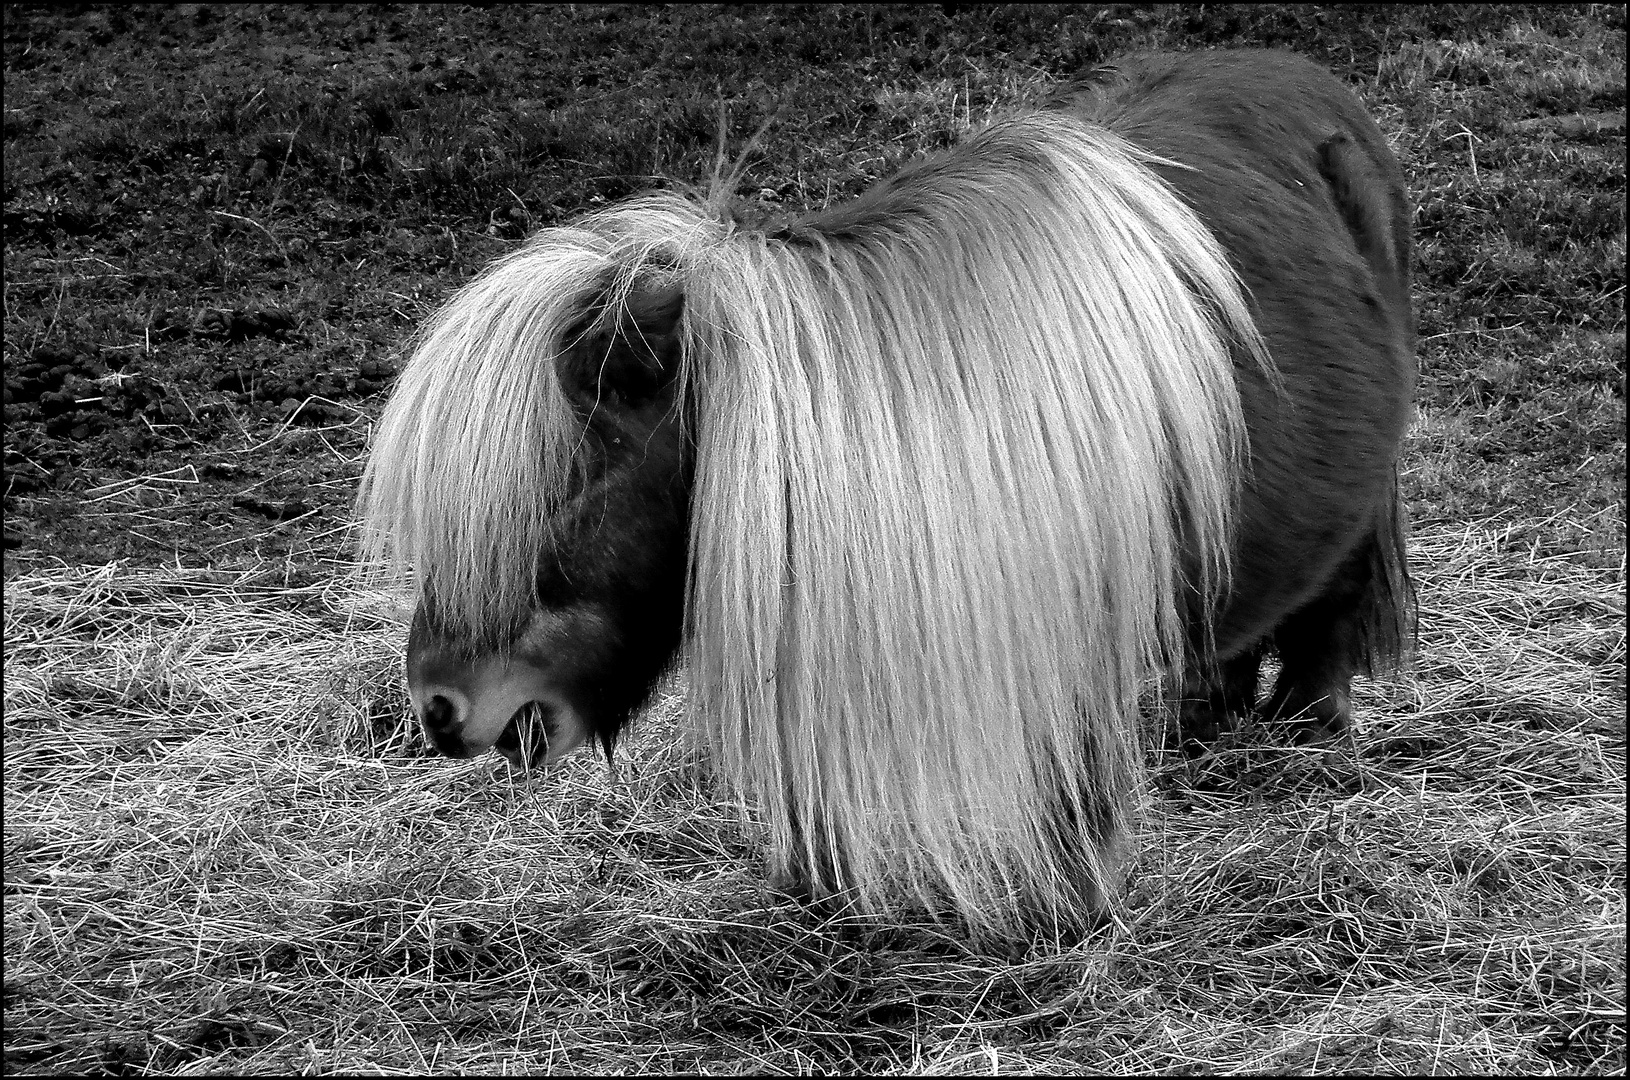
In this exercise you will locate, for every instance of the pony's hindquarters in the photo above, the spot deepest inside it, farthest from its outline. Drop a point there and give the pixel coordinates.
(1298, 184)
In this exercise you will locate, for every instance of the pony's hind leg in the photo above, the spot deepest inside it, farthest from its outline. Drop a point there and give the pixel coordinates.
(1364, 620)
(1319, 649)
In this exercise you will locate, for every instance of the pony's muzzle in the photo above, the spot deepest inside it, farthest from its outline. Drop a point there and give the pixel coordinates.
(508, 705)
(531, 739)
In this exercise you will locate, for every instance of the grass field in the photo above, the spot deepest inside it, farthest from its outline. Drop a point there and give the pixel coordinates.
(225, 850)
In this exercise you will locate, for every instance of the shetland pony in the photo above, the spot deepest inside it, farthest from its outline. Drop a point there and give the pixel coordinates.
(939, 489)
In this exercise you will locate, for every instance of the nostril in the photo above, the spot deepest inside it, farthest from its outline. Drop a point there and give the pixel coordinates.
(440, 714)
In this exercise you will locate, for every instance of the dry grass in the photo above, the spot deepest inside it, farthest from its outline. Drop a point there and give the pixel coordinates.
(223, 854)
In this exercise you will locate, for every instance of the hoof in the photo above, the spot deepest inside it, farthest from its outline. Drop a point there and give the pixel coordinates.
(1308, 719)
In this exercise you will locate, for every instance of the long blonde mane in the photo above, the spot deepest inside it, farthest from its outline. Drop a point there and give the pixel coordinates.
(948, 461)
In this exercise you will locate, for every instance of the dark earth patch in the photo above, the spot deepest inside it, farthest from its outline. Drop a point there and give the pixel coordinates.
(222, 223)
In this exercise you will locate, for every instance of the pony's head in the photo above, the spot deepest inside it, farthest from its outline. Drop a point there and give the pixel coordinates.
(533, 471)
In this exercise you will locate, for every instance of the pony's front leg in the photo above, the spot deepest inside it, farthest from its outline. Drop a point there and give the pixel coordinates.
(1213, 699)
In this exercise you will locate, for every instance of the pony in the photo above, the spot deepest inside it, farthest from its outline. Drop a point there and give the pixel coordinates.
(941, 493)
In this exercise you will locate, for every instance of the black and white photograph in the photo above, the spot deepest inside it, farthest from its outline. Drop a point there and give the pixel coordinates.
(956, 539)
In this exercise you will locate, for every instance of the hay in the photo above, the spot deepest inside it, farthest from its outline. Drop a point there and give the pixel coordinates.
(224, 851)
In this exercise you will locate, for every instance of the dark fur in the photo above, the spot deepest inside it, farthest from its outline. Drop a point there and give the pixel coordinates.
(1319, 564)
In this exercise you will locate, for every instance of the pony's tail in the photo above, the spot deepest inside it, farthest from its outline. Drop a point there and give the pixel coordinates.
(1376, 215)
(1361, 176)
(1387, 615)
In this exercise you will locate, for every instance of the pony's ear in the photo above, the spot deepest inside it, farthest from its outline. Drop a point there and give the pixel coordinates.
(629, 360)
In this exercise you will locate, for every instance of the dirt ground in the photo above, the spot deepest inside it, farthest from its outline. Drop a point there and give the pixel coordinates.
(222, 223)
(197, 326)
(183, 400)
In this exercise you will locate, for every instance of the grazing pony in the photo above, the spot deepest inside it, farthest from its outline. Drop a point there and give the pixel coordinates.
(939, 489)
